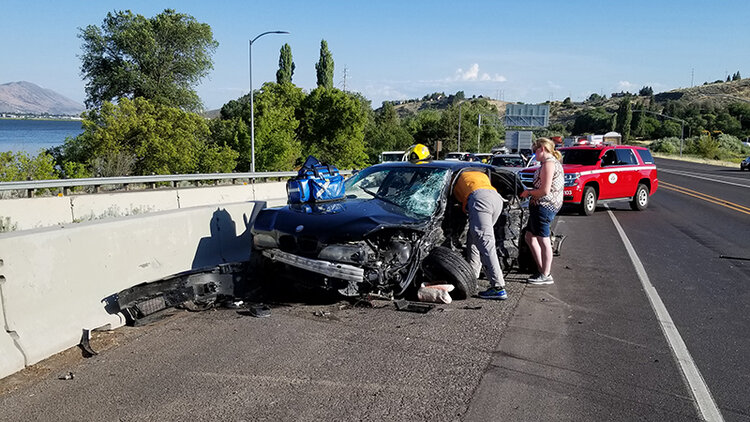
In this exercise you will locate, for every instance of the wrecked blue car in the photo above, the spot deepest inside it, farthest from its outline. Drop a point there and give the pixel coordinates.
(397, 226)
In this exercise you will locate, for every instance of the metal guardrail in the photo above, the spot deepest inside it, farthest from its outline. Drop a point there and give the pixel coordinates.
(30, 186)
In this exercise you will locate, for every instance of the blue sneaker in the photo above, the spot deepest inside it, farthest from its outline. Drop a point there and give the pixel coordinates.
(496, 293)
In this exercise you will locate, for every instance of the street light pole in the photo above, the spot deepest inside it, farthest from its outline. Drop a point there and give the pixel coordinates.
(682, 124)
(252, 109)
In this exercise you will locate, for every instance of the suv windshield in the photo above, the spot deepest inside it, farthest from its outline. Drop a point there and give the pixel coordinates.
(586, 157)
(415, 190)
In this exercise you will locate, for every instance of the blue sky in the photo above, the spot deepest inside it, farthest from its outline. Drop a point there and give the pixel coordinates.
(514, 51)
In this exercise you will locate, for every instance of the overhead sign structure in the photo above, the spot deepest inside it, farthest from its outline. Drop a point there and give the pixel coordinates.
(527, 115)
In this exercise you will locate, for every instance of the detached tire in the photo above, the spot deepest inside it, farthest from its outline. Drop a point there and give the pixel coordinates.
(443, 264)
(588, 201)
(640, 199)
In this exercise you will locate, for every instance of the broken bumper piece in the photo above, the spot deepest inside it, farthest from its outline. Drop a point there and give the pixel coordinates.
(327, 268)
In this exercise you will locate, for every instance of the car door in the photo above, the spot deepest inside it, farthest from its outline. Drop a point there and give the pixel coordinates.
(628, 172)
(609, 176)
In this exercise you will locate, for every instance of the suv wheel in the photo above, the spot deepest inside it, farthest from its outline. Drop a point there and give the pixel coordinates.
(640, 199)
(588, 201)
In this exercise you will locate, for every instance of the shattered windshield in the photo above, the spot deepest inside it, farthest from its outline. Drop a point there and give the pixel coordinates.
(586, 157)
(415, 190)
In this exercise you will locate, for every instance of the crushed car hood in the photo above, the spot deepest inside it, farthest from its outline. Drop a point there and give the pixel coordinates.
(338, 221)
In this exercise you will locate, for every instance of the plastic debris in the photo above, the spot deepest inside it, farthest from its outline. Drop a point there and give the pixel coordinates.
(66, 377)
(437, 293)
(405, 305)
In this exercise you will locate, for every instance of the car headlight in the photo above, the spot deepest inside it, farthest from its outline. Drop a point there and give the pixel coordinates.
(264, 241)
(571, 179)
(353, 254)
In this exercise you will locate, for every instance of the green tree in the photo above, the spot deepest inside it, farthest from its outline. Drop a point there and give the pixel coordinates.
(277, 144)
(161, 58)
(386, 133)
(646, 91)
(594, 120)
(20, 166)
(624, 119)
(332, 128)
(324, 67)
(140, 137)
(286, 65)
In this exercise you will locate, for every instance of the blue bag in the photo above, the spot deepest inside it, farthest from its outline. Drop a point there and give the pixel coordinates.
(315, 182)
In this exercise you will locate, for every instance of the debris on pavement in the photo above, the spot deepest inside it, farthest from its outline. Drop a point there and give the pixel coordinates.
(259, 310)
(85, 345)
(405, 305)
(67, 377)
(437, 293)
(319, 313)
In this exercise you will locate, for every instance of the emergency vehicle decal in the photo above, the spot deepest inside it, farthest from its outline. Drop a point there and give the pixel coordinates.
(612, 178)
(614, 170)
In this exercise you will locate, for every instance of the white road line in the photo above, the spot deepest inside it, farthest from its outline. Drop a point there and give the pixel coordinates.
(703, 399)
(687, 174)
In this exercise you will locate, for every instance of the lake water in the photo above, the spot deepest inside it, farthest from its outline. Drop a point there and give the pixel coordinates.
(31, 136)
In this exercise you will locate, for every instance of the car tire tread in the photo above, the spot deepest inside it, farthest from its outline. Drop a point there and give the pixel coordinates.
(447, 265)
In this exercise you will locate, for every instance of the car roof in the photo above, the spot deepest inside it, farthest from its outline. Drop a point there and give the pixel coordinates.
(601, 146)
(443, 164)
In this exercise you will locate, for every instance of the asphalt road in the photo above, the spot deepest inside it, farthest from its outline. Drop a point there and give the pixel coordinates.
(589, 347)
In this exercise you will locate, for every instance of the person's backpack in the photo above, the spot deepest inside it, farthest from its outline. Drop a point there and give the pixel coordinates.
(315, 182)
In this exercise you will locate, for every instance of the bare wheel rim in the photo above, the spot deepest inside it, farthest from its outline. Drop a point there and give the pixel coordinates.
(642, 197)
(590, 201)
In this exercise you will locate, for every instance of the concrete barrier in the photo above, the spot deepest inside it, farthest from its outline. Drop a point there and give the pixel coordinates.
(30, 213)
(11, 358)
(56, 279)
(274, 193)
(108, 205)
(193, 197)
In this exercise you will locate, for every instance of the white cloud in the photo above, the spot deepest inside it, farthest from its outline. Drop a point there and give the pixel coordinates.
(472, 74)
(625, 86)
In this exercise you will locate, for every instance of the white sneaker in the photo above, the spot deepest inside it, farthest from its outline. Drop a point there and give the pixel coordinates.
(540, 279)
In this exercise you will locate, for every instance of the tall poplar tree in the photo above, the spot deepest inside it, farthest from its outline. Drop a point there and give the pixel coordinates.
(324, 67)
(624, 119)
(286, 65)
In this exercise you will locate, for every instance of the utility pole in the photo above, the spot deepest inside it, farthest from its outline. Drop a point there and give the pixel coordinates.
(345, 75)
(459, 126)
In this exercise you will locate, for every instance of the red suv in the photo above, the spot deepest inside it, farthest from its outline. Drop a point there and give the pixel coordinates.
(597, 174)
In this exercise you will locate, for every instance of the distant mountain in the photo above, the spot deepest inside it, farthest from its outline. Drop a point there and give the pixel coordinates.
(28, 98)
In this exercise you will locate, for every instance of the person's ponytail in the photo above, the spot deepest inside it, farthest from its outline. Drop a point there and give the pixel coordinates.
(557, 154)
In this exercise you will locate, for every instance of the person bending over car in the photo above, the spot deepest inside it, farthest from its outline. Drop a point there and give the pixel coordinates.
(546, 200)
(483, 205)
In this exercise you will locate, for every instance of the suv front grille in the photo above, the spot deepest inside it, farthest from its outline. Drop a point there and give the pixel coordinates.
(527, 179)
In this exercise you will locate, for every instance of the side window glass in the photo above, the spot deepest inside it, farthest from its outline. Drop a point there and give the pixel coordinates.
(646, 156)
(609, 158)
(625, 157)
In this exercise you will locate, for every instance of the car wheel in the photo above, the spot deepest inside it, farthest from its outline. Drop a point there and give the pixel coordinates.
(588, 201)
(640, 199)
(445, 265)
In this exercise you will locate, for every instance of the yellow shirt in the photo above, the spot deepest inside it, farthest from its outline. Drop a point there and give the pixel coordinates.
(468, 182)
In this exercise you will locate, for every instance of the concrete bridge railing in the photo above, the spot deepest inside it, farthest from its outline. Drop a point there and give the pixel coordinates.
(54, 278)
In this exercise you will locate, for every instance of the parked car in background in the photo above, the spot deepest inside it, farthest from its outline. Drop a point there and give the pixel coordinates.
(513, 162)
(480, 157)
(745, 164)
(460, 156)
(398, 226)
(387, 156)
(597, 174)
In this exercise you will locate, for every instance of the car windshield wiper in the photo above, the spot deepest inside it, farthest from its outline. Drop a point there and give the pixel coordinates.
(381, 197)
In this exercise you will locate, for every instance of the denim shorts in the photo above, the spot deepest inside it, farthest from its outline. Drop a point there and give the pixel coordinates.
(540, 219)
